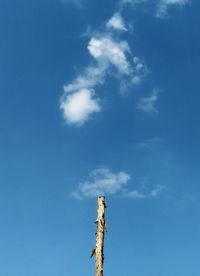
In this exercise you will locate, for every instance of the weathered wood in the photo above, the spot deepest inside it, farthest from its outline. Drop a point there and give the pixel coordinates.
(98, 252)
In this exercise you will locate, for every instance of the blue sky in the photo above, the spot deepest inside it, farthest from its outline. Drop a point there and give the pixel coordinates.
(99, 97)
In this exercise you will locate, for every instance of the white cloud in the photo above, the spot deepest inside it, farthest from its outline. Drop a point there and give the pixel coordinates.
(163, 6)
(102, 182)
(141, 195)
(109, 55)
(78, 102)
(78, 3)
(132, 2)
(108, 51)
(140, 70)
(152, 145)
(147, 104)
(78, 107)
(116, 22)
(92, 76)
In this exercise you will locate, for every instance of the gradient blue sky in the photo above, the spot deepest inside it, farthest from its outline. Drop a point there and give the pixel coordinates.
(133, 135)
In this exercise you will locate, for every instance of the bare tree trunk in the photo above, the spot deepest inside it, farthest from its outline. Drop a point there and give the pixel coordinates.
(101, 228)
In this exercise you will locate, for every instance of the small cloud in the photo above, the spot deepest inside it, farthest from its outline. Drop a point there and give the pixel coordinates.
(102, 182)
(77, 3)
(131, 2)
(142, 195)
(79, 106)
(108, 51)
(116, 22)
(92, 76)
(140, 70)
(153, 145)
(78, 101)
(156, 191)
(163, 6)
(147, 104)
(135, 194)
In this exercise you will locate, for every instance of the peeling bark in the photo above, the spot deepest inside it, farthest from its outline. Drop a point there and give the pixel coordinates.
(101, 228)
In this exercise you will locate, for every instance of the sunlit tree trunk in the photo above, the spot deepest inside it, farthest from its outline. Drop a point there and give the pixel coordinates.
(98, 252)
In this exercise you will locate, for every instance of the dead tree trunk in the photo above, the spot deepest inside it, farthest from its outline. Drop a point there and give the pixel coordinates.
(101, 228)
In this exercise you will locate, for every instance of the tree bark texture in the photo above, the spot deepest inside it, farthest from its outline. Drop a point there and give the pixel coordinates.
(101, 228)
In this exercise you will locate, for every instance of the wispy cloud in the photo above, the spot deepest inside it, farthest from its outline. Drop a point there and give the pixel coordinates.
(142, 195)
(164, 5)
(132, 2)
(154, 144)
(185, 201)
(110, 54)
(161, 6)
(102, 182)
(116, 22)
(147, 104)
(78, 3)
(140, 70)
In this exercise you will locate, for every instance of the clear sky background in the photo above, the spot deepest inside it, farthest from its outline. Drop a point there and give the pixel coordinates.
(99, 97)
